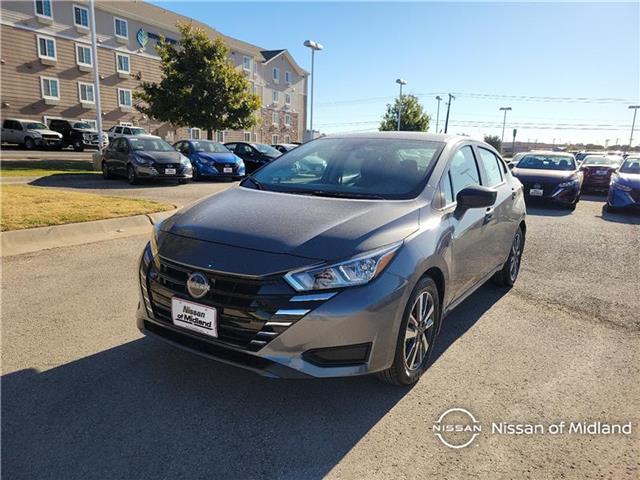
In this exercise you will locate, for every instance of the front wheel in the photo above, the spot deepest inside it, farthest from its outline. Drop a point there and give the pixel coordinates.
(78, 146)
(416, 336)
(29, 143)
(132, 178)
(106, 174)
(508, 275)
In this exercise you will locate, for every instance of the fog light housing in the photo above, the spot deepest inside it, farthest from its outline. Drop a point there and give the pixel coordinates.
(339, 356)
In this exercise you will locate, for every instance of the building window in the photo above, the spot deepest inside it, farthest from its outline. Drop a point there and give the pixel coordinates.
(287, 98)
(275, 118)
(287, 139)
(276, 75)
(50, 88)
(246, 63)
(247, 136)
(90, 121)
(83, 55)
(43, 8)
(46, 48)
(124, 97)
(274, 139)
(85, 92)
(220, 136)
(287, 76)
(121, 27)
(194, 133)
(80, 16)
(122, 63)
(287, 119)
(275, 96)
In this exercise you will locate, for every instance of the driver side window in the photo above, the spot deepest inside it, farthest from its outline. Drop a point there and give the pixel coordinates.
(463, 170)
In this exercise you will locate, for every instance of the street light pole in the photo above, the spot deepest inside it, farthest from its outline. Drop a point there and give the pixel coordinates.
(633, 124)
(96, 74)
(504, 121)
(446, 122)
(439, 99)
(313, 46)
(400, 82)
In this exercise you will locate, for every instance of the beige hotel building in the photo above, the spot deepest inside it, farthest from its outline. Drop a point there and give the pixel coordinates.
(47, 68)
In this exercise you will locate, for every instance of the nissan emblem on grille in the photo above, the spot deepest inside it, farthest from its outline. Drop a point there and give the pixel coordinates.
(198, 285)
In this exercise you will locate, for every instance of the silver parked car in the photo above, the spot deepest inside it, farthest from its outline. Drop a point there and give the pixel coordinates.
(347, 270)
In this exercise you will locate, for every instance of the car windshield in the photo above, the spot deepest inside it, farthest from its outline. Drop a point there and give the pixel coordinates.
(631, 165)
(82, 125)
(212, 147)
(351, 168)
(36, 126)
(138, 131)
(266, 149)
(602, 160)
(150, 144)
(547, 162)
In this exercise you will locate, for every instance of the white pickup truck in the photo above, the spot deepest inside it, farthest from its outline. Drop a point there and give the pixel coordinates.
(125, 131)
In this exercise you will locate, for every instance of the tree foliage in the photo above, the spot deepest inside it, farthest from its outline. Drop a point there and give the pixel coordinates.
(200, 87)
(413, 118)
(494, 141)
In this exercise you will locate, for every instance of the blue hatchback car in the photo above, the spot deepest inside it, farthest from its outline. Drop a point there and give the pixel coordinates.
(624, 190)
(211, 159)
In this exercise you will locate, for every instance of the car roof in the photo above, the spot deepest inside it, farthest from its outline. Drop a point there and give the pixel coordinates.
(24, 120)
(150, 137)
(433, 137)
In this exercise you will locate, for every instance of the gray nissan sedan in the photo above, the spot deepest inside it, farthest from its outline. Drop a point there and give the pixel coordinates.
(348, 269)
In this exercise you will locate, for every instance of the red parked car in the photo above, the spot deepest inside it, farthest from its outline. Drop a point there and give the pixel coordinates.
(597, 171)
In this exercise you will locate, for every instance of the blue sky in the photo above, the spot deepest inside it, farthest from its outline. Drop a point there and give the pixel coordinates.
(586, 53)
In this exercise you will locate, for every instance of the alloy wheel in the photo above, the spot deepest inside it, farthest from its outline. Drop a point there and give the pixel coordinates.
(418, 332)
(516, 254)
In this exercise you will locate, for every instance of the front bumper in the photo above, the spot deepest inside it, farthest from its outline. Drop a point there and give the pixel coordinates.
(157, 172)
(560, 196)
(48, 142)
(294, 336)
(216, 170)
(619, 199)
(596, 182)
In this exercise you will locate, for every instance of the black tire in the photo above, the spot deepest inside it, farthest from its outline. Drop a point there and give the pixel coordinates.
(78, 146)
(132, 177)
(195, 174)
(608, 208)
(106, 174)
(29, 143)
(401, 372)
(508, 274)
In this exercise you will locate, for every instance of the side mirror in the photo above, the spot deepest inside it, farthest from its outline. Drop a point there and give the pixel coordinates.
(474, 196)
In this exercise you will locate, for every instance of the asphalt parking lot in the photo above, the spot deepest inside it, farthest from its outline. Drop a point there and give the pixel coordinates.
(86, 396)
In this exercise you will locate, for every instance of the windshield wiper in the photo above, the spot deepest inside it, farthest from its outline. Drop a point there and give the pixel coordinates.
(366, 196)
(255, 182)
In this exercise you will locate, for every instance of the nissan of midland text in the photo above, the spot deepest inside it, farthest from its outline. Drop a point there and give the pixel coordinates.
(345, 269)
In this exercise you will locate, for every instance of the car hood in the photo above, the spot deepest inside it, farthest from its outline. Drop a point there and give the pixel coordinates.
(304, 226)
(533, 175)
(160, 157)
(217, 157)
(630, 179)
(85, 130)
(44, 131)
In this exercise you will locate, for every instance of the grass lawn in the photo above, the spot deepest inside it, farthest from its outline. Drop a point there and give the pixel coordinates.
(41, 168)
(28, 207)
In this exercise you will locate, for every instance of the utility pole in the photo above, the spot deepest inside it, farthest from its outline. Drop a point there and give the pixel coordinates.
(513, 142)
(439, 99)
(446, 122)
(400, 82)
(313, 46)
(504, 122)
(633, 124)
(96, 74)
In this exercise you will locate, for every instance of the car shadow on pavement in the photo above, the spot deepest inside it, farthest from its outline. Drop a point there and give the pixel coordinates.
(621, 216)
(92, 182)
(147, 410)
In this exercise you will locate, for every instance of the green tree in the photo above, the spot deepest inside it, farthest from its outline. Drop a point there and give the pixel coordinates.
(494, 141)
(413, 118)
(200, 87)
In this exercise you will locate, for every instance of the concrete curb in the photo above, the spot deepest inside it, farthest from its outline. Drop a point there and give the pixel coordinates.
(17, 242)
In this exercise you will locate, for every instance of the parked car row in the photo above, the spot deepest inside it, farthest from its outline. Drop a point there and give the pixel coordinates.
(560, 178)
(58, 134)
(137, 157)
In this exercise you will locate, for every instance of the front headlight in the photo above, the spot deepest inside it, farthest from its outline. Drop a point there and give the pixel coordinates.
(239, 162)
(619, 186)
(570, 183)
(358, 270)
(36, 134)
(142, 160)
(154, 239)
(184, 160)
(86, 136)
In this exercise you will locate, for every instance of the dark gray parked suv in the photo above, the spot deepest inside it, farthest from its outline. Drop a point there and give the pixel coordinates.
(347, 270)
